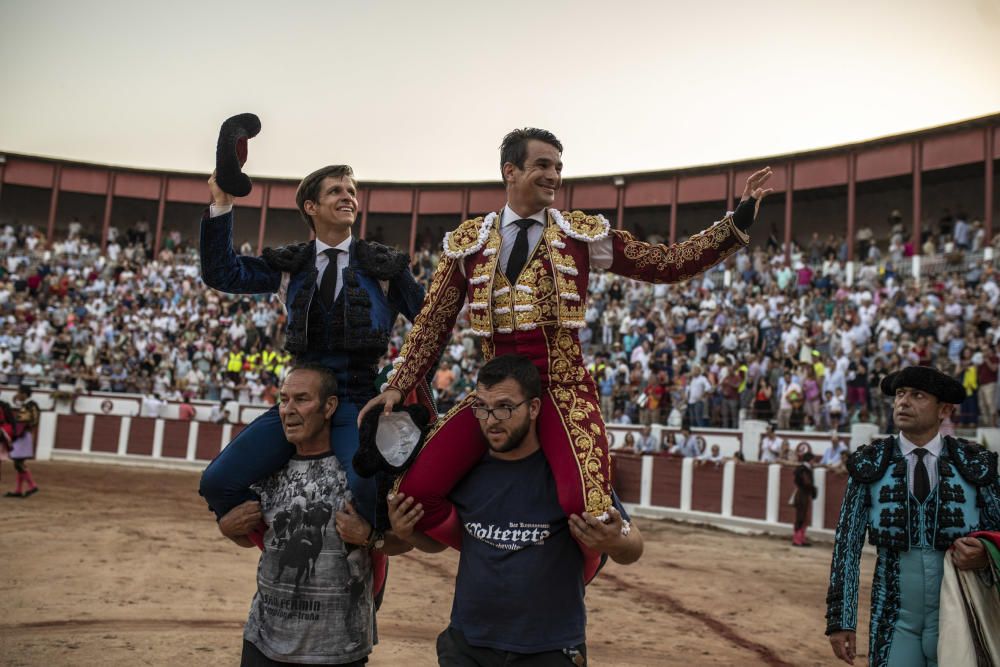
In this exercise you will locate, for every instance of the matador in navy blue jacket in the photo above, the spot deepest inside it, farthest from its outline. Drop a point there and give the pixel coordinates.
(374, 285)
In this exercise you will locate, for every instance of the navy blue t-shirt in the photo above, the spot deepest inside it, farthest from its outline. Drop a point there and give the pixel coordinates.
(520, 577)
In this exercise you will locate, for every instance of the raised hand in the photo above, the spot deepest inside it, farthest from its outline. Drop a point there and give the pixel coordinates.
(387, 400)
(219, 196)
(755, 185)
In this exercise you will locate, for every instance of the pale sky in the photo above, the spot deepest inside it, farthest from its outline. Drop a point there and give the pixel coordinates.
(424, 91)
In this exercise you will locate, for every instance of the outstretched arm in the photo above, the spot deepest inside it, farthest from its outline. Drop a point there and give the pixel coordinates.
(626, 255)
(221, 267)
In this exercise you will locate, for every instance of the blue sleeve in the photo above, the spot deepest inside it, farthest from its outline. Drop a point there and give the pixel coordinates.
(842, 595)
(223, 269)
(406, 295)
(616, 502)
(990, 504)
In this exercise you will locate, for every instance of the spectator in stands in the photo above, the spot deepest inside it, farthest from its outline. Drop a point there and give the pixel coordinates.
(787, 455)
(730, 391)
(714, 455)
(791, 398)
(762, 399)
(770, 446)
(968, 414)
(686, 445)
(152, 405)
(646, 444)
(833, 453)
(698, 388)
(621, 418)
(986, 371)
(835, 408)
(186, 411)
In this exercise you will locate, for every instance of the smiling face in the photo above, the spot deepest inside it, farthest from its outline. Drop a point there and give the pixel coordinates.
(916, 412)
(335, 207)
(303, 410)
(533, 187)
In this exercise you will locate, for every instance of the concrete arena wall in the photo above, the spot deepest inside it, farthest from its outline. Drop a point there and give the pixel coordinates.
(741, 497)
(746, 497)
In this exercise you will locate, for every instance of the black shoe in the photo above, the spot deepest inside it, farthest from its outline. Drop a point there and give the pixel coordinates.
(31, 492)
(13, 494)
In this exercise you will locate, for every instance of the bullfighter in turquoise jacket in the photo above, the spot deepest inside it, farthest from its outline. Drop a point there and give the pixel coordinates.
(917, 495)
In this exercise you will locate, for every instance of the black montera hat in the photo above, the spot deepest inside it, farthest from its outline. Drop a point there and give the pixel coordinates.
(931, 380)
(390, 442)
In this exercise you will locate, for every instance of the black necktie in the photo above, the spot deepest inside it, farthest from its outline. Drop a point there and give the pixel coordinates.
(921, 480)
(519, 255)
(328, 286)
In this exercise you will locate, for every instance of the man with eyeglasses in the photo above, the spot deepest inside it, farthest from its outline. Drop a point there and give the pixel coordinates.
(520, 585)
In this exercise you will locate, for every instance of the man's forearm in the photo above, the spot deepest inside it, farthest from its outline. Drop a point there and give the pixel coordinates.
(243, 541)
(425, 544)
(629, 548)
(395, 545)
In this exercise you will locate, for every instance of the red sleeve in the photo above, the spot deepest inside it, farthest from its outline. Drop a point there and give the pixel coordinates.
(431, 328)
(660, 263)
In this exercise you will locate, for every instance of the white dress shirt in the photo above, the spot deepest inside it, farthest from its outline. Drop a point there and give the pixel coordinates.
(323, 261)
(930, 459)
(343, 259)
(600, 251)
(509, 232)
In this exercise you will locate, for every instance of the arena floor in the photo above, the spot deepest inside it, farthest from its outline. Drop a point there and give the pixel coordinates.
(123, 566)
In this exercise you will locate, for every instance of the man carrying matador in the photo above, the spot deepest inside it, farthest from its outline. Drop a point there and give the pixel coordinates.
(524, 272)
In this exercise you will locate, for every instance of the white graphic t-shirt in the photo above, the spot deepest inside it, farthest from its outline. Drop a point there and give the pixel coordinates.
(314, 593)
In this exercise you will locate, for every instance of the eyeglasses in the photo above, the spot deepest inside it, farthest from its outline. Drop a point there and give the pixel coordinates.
(501, 413)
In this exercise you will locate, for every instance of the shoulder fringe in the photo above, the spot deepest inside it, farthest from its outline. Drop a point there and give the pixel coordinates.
(469, 237)
(580, 226)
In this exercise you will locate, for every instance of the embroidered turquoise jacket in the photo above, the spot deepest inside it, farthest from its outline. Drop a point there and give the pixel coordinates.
(878, 503)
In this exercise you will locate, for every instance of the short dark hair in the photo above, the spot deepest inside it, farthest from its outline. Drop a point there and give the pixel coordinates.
(309, 187)
(514, 148)
(512, 366)
(328, 380)
(24, 389)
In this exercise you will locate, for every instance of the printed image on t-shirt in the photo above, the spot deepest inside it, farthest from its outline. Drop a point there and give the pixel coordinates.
(314, 598)
(510, 536)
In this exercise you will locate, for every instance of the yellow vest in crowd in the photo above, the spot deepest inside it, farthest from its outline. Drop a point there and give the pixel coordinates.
(282, 361)
(970, 380)
(268, 360)
(235, 364)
